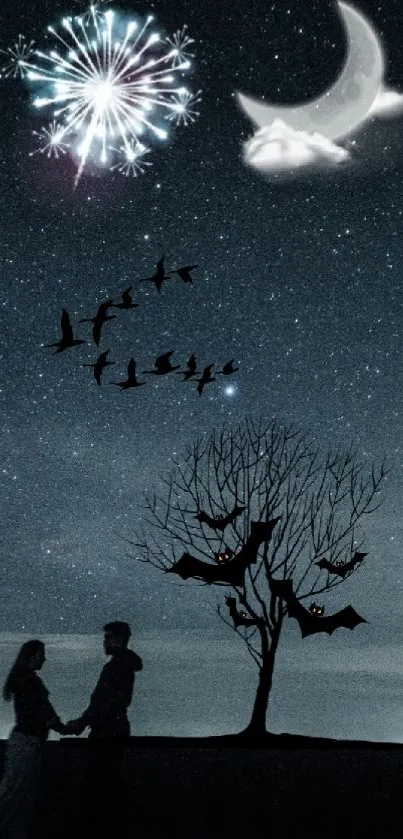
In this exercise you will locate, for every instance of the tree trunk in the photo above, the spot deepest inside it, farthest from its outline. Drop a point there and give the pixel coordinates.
(257, 726)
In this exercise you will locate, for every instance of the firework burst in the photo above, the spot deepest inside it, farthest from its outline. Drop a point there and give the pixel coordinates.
(17, 55)
(108, 83)
(182, 107)
(132, 161)
(51, 141)
(94, 12)
(179, 44)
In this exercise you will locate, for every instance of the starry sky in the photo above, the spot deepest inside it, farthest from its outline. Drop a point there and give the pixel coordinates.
(298, 280)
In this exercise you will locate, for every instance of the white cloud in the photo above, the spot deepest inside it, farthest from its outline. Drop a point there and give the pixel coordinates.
(387, 103)
(278, 147)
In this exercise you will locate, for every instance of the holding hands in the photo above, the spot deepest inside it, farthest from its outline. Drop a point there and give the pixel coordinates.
(71, 727)
(74, 727)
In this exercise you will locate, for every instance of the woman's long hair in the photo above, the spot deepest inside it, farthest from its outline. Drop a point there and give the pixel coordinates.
(28, 649)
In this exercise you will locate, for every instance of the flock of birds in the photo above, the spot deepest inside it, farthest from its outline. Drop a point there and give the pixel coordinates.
(162, 364)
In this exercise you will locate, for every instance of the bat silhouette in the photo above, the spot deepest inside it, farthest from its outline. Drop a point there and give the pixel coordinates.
(224, 556)
(67, 339)
(239, 618)
(316, 610)
(99, 365)
(228, 572)
(100, 318)
(184, 273)
(341, 568)
(220, 522)
(127, 301)
(309, 623)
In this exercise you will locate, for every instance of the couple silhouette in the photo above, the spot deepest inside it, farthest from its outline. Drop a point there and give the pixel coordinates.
(103, 803)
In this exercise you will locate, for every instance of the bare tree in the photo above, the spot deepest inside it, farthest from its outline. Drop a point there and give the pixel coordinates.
(273, 471)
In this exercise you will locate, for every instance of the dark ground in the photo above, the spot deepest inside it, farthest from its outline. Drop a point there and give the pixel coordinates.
(219, 787)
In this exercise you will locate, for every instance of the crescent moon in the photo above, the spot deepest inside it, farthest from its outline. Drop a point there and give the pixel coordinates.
(345, 105)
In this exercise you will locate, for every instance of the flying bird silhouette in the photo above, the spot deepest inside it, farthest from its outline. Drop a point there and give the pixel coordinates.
(67, 339)
(184, 273)
(206, 378)
(341, 568)
(220, 522)
(127, 301)
(159, 276)
(100, 318)
(163, 365)
(228, 368)
(132, 380)
(231, 572)
(99, 365)
(191, 369)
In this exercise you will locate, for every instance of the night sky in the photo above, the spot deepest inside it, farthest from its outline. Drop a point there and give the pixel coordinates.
(298, 280)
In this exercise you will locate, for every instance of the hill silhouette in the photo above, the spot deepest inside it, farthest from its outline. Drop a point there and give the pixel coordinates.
(209, 786)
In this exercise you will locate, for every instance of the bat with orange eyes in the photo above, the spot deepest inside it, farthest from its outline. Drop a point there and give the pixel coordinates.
(233, 571)
(224, 556)
(239, 618)
(220, 522)
(309, 623)
(341, 568)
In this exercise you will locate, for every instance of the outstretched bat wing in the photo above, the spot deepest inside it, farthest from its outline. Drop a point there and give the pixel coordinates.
(311, 624)
(238, 509)
(261, 531)
(233, 571)
(190, 566)
(358, 557)
(341, 570)
(220, 523)
(346, 617)
(324, 564)
(206, 519)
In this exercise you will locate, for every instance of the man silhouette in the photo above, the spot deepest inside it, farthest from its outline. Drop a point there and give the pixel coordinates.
(106, 716)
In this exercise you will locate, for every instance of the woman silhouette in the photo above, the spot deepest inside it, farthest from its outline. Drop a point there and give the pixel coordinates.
(35, 716)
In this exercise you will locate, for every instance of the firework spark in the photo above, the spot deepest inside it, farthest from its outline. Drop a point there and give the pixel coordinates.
(94, 12)
(179, 44)
(132, 162)
(109, 83)
(182, 107)
(51, 141)
(17, 55)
